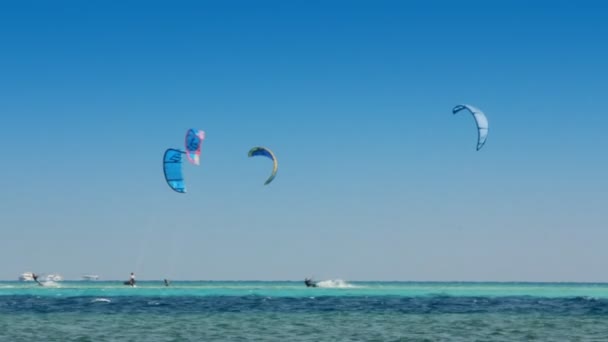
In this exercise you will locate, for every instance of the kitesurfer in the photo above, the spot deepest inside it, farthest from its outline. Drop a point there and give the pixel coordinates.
(35, 276)
(166, 282)
(309, 282)
(131, 280)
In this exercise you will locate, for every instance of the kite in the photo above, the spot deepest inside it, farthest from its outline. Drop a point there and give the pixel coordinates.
(263, 151)
(194, 142)
(172, 166)
(480, 120)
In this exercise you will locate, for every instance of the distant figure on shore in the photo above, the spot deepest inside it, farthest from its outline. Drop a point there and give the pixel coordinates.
(166, 282)
(35, 276)
(309, 282)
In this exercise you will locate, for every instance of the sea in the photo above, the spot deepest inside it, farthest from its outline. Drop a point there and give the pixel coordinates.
(336, 310)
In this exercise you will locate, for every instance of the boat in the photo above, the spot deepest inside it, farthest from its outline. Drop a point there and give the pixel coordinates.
(27, 276)
(54, 277)
(90, 277)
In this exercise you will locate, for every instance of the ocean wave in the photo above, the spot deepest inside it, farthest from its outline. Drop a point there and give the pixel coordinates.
(101, 300)
(50, 283)
(321, 303)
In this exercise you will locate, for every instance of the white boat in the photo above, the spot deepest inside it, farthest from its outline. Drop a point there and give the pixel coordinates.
(27, 276)
(54, 277)
(90, 277)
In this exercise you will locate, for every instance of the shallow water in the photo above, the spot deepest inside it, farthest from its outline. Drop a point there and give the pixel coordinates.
(297, 289)
(288, 311)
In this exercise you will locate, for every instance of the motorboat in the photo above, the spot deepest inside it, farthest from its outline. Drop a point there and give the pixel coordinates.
(27, 276)
(54, 277)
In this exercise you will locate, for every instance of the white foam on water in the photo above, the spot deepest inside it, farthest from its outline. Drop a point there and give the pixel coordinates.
(50, 283)
(335, 284)
(101, 300)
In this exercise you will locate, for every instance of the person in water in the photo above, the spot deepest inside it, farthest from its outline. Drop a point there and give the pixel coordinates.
(35, 276)
(166, 282)
(132, 279)
(309, 282)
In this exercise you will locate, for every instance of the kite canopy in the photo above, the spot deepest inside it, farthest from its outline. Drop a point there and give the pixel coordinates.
(480, 120)
(172, 166)
(194, 141)
(263, 151)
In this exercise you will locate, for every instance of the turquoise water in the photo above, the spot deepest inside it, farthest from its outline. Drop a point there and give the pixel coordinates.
(288, 311)
(297, 289)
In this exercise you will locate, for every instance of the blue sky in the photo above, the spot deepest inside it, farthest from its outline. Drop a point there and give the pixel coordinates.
(377, 179)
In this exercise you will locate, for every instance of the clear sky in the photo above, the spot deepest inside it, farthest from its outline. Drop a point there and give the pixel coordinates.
(377, 179)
